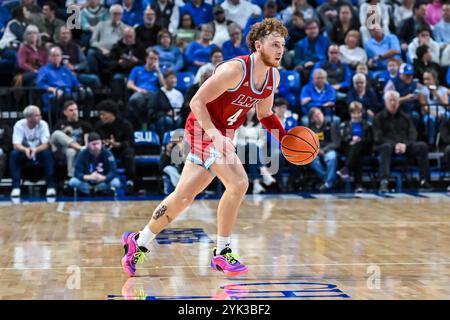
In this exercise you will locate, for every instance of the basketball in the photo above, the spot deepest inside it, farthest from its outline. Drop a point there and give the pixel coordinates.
(300, 145)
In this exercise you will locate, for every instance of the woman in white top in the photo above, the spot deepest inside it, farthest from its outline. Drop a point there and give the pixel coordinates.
(434, 101)
(403, 12)
(351, 53)
(424, 37)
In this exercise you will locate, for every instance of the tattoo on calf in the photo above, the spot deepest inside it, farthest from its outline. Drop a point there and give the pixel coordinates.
(159, 212)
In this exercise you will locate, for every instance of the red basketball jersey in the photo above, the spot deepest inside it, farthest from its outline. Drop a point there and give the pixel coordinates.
(228, 111)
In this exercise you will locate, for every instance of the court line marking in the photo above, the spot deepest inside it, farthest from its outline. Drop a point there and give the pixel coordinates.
(253, 265)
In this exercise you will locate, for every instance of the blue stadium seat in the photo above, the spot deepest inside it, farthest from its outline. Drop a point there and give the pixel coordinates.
(184, 81)
(290, 79)
(147, 146)
(448, 77)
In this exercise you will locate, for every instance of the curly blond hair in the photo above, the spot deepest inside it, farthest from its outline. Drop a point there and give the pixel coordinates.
(264, 28)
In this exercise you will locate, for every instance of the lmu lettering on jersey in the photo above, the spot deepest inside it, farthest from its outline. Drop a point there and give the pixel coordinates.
(245, 101)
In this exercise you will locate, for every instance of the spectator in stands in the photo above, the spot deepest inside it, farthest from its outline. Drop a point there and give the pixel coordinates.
(338, 73)
(319, 94)
(220, 26)
(269, 11)
(236, 46)
(144, 81)
(5, 146)
(118, 136)
(215, 58)
(441, 31)
(167, 105)
(402, 12)
(364, 95)
(351, 53)
(356, 136)
(70, 136)
(380, 48)
(133, 13)
(391, 74)
(31, 57)
(75, 59)
(410, 26)
(249, 139)
(424, 62)
(433, 13)
(90, 16)
(311, 49)
(170, 57)
(168, 164)
(34, 9)
(146, 35)
(190, 93)
(31, 145)
(124, 56)
(105, 35)
(408, 89)
(14, 30)
(95, 169)
(395, 134)
(371, 82)
(382, 14)
(198, 52)
(345, 23)
(434, 100)
(445, 142)
(307, 12)
(167, 14)
(239, 11)
(280, 109)
(325, 164)
(296, 30)
(200, 11)
(186, 32)
(328, 12)
(424, 37)
(49, 25)
(61, 83)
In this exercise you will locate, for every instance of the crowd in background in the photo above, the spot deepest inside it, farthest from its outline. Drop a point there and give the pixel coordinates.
(378, 89)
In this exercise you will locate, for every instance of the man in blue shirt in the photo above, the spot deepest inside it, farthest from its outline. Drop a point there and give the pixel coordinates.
(133, 13)
(200, 11)
(60, 83)
(311, 49)
(319, 94)
(95, 169)
(407, 87)
(380, 48)
(441, 31)
(144, 81)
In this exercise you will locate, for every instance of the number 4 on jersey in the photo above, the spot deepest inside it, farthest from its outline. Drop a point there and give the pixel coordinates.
(232, 119)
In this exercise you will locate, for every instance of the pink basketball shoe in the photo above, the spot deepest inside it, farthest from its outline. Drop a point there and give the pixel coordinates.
(227, 262)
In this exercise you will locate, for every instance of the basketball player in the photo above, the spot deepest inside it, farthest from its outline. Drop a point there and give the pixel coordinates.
(217, 110)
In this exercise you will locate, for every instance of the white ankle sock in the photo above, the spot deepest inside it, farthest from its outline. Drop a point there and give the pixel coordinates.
(145, 237)
(221, 243)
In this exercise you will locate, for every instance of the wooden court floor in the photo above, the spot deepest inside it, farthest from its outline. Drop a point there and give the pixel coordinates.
(325, 248)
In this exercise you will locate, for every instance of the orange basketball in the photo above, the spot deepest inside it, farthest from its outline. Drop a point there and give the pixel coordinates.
(300, 145)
